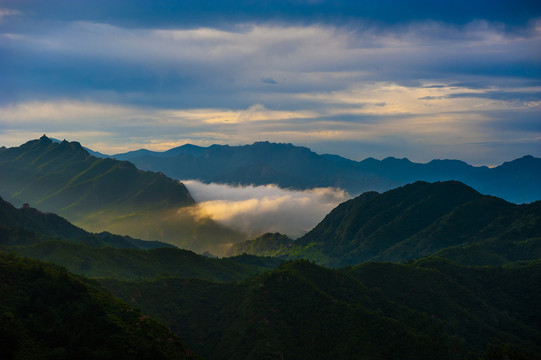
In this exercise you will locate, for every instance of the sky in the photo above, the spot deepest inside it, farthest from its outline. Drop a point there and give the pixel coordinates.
(418, 79)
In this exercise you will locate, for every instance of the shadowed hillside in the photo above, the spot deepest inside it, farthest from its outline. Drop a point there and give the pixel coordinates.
(48, 313)
(427, 310)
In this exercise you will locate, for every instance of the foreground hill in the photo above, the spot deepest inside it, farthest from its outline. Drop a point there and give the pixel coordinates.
(104, 194)
(414, 221)
(297, 167)
(431, 309)
(48, 313)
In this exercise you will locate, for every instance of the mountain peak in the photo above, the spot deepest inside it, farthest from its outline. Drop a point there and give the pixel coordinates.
(45, 140)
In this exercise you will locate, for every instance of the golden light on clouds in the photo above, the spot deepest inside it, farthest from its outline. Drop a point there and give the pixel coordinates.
(429, 113)
(258, 209)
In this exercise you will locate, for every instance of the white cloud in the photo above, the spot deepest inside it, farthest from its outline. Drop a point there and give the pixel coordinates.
(259, 209)
(7, 12)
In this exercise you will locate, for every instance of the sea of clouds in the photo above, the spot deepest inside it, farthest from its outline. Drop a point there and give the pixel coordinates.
(255, 210)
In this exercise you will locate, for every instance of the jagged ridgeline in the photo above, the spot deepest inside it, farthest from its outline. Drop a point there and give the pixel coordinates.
(103, 194)
(49, 313)
(298, 167)
(412, 221)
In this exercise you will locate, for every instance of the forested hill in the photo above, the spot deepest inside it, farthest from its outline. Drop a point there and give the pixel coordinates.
(27, 225)
(430, 309)
(64, 176)
(298, 167)
(48, 313)
(102, 194)
(412, 221)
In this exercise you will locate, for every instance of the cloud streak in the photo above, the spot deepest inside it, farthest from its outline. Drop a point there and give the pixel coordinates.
(258, 209)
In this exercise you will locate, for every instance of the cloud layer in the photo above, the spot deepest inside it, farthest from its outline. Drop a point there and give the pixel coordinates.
(422, 81)
(258, 209)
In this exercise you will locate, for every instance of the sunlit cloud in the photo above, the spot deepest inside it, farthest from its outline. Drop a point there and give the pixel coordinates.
(258, 209)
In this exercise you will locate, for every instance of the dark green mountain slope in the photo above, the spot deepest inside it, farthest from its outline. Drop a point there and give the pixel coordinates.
(426, 310)
(265, 245)
(144, 264)
(64, 176)
(414, 221)
(49, 237)
(104, 194)
(297, 167)
(48, 313)
(29, 226)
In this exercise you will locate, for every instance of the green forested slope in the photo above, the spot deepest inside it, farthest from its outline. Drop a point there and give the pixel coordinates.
(30, 226)
(144, 264)
(430, 309)
(413, 221)
(48, 313)
(265, 245)
(106, 195)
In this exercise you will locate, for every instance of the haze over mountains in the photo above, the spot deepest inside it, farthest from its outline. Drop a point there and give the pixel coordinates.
(101, 194)
(49, 237)
(105, 194)
(296, 167)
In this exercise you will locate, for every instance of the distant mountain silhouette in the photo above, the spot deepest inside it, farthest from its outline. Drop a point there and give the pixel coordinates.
(412, 221)
(297, 167)
(102, 194)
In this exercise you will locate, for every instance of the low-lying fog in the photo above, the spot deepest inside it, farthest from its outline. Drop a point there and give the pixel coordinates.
(268, 208)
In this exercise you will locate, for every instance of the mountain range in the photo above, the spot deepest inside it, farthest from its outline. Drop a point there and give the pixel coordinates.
(251, 308)
(102, 194)
(409, 222)
(427, 270)
(296, 167)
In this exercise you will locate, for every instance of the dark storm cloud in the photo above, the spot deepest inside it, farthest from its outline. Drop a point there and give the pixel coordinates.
(501, 95)
(194, 13)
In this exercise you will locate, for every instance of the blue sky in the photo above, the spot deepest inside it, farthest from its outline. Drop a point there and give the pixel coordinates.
(418, 79)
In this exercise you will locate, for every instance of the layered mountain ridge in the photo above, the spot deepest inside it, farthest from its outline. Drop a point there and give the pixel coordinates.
(247, 307)
(102, 194)
(298, 167)
(49, 237)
